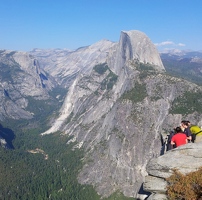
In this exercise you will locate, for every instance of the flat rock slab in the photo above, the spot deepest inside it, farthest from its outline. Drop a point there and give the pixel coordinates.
(186, 158)
(155, 184)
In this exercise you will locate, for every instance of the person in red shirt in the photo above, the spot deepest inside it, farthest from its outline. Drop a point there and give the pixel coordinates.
(179, 138)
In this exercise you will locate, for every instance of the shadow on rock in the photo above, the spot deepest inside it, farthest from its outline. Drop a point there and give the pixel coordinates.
(143, 193)
(8, 135)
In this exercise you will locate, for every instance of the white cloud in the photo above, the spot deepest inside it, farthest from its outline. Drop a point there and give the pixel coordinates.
(169, 44)
(181, 44)
(165, 43)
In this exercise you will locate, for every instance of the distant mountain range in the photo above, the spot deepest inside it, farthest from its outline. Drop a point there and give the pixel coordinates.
(184, 64)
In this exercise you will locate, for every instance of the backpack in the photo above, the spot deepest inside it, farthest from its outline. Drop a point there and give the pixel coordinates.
(195, 130)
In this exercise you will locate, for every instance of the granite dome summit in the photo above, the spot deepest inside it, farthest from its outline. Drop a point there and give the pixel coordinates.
(141, 48)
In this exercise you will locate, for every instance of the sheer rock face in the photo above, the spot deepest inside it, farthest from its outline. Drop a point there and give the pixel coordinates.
(121, 132)
(20, 77)
(185, 159)
(135, 45)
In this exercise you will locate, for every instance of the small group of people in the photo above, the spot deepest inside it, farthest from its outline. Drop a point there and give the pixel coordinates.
(183, 134)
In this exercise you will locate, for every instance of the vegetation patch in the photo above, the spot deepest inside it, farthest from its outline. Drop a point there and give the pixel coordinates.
(109, 81)
(101, 68)
(118, 196)
(143, 66)
(187, 103)
(145, 69)
(183, 187)
(42, 109)
(136, 94)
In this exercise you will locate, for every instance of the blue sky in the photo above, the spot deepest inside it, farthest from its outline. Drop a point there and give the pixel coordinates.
(70, 24)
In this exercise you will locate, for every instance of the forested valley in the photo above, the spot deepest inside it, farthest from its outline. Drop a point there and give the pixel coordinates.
(42, 167)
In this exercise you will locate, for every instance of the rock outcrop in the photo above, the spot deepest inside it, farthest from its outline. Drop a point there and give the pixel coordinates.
(185, 159)
(3, 142)
(21, 77)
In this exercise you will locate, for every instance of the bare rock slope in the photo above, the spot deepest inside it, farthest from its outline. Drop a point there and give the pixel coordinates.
(21, 77)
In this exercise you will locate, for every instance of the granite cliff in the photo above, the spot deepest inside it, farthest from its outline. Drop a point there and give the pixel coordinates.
(21, 77)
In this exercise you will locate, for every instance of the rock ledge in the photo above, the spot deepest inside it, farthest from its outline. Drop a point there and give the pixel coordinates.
(186, 159)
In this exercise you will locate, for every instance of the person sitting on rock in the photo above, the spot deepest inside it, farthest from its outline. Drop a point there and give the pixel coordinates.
(179, 138)
(168, 142)
(196, 132)
(186, 130)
